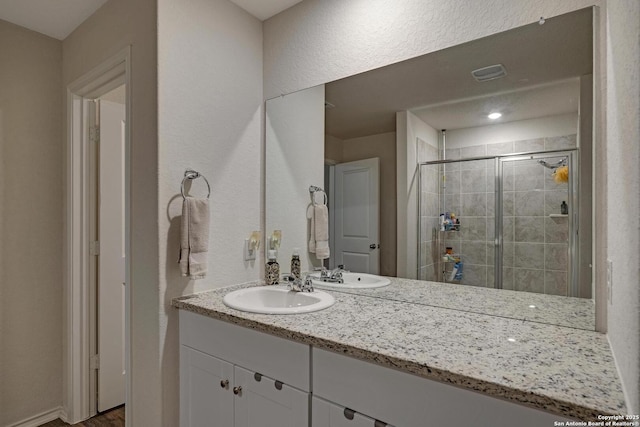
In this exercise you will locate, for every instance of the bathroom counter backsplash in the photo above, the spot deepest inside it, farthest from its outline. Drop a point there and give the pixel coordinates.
(566, 371)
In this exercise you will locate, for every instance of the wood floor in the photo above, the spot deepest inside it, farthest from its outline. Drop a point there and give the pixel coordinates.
(112, 418)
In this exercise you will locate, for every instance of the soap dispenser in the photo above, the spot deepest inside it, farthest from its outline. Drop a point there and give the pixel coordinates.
(295, 263)
(272, 269)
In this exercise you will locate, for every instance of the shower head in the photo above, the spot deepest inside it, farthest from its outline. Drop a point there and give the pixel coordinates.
(556, 165)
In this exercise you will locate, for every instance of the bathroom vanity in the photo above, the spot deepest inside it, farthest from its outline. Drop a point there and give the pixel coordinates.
(367, 361)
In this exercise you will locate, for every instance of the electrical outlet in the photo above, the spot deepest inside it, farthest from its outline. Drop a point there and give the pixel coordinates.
(609, 280)
(249, 255)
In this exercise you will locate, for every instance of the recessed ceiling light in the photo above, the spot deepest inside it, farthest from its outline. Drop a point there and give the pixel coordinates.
(511, 339)
(494, 116)
(532, 306)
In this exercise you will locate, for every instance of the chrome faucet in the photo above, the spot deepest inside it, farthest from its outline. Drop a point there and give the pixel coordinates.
(332, 276)
(297, 284)
(324, 273)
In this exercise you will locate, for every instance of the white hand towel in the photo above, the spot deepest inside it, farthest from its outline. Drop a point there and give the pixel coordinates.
(194, 239)
(312, 229)
(321, 214)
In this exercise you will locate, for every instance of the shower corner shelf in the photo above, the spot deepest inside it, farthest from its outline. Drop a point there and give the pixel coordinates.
(558, 215)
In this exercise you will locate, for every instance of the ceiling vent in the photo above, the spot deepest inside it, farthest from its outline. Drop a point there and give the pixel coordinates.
(489, 73)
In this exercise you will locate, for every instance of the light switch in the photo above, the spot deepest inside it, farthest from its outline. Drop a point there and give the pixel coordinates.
(249, 255)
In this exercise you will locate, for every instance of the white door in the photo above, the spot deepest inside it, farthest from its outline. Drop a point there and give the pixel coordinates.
(356, 216)
(206, 384)
(266, 403)
(111, 266)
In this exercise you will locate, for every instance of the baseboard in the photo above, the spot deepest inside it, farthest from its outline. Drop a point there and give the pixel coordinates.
(37, 420)
(63, 415)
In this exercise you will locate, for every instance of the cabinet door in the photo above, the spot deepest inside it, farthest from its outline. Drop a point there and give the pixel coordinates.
(265, 403)
(327, 414)
(206, 398)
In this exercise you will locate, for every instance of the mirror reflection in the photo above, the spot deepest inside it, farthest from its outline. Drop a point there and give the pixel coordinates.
(465, 172)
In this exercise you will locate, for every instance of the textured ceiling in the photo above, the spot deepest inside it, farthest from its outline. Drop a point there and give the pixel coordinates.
(58, 18)
(54, 18)
(265, 9)
(534, 56)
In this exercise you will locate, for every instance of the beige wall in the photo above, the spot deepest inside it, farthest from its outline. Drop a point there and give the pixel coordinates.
(383, 146)
(30, 223)
(623, 188)
(210, 113)
(332, 149)
(117, 95)
(117, 24)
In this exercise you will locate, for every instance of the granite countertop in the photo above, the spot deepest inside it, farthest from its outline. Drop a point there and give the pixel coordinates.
(566, 371)
(553, 309)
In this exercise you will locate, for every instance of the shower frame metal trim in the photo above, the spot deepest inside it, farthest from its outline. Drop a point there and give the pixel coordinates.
(499, 232)
(502, 156)
(573, 255)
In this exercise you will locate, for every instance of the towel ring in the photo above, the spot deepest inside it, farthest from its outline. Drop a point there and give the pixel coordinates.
(313, 190)
(313, 198)
(191, 174)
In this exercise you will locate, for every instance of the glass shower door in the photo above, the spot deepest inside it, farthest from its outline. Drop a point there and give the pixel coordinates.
(534, 244)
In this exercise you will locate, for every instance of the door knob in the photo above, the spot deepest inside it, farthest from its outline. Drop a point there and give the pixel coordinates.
(237, 390)
(374, 246)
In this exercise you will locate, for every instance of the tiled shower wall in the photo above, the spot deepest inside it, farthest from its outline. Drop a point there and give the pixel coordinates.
(535, 245)
(467, 195)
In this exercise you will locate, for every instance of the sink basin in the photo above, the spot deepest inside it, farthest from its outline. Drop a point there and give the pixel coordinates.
(277, 300)
(353, 281)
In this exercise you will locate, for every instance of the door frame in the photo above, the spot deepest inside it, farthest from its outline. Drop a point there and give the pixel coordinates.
(80, 222)
(330, 168)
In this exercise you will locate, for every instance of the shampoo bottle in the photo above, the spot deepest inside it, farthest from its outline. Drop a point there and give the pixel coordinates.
(272, 269)
(295, 263)
(564, 208)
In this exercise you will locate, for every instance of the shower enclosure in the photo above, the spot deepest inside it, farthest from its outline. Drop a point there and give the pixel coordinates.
(505, 221)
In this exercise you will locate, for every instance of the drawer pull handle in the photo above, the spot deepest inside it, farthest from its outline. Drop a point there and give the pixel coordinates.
(278, 385)
(349, 413)
(257, 377)
(237, 390)
(224, 383)
(379, 423)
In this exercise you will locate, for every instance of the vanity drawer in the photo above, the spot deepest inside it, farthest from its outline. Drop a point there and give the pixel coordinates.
(407, 400)
(275, 357)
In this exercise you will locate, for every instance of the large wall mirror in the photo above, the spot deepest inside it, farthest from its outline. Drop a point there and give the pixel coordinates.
(466, 171)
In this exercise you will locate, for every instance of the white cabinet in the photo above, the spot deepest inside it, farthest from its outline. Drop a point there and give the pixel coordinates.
(219, 381)
(220, 387)
(215, 393)
(407, 400)
(205, 396)
(327, 414)
(275, 357)
(264, 402)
